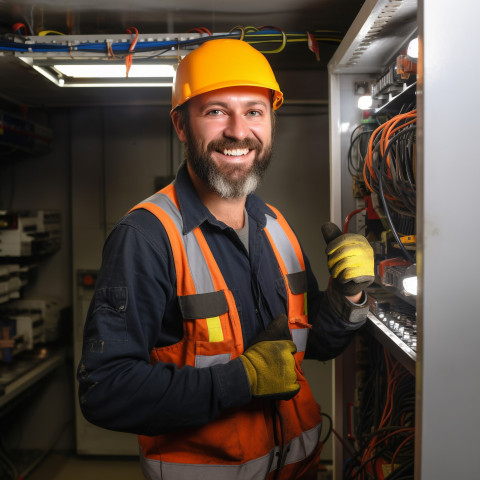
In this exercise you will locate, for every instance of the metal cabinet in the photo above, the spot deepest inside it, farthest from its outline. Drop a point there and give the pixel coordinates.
(448, 323)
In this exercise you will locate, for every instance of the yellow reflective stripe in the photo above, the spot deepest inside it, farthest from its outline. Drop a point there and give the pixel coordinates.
(305, 303)
(215, 333)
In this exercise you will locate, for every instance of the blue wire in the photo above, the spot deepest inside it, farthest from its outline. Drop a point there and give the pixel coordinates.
(142, 45)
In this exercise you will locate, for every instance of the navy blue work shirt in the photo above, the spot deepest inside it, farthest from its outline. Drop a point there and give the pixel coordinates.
(135, 309)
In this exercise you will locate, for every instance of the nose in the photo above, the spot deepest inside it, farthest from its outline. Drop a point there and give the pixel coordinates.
(236, 127)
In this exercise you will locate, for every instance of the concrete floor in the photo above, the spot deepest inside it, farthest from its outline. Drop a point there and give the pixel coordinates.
(71, 467)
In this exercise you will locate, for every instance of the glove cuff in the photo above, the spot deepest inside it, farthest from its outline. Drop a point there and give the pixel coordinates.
(234, 384)
(348, 311)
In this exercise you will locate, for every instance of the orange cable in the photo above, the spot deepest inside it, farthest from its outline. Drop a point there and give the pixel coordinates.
(129, 58)
(386, 131)
(397, 451)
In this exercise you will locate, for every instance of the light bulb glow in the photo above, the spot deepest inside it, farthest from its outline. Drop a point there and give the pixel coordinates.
(412, 49)
(365, 102)
(410, 285)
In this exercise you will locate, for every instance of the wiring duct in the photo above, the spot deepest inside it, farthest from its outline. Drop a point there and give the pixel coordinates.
(385, 431)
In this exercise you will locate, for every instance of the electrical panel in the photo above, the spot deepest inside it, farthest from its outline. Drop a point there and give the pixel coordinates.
(373, 77)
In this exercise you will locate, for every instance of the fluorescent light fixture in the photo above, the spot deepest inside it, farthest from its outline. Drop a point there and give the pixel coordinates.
(115, 71)
(412, 49)
(48, 75)
(365, 102)
(100, 60)
(410, 280)
(86, 74)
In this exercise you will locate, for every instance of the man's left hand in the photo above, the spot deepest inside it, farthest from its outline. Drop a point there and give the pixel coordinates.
(350, 260)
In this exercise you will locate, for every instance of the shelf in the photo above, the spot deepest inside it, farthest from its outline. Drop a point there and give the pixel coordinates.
(400, 350)
(406, 96)
(26, 370)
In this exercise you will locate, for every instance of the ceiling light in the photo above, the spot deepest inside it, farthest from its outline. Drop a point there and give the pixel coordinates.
(104, 73)
(101, 61)
(115, 71)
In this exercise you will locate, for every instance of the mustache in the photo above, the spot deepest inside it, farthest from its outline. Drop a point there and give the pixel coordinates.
(227, 144)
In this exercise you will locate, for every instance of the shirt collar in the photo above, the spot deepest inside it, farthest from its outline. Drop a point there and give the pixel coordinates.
(194, 212)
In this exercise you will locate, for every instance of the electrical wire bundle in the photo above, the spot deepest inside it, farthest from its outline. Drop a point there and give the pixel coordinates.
(389, 162)
(389, 171)
(386, 429)
(257, 36)
(357, 151)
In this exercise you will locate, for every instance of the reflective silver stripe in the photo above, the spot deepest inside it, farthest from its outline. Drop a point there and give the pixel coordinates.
(202, 361)
(283, 245)
(297, 450)
(303, 446)
(196, 260)
(299, 337)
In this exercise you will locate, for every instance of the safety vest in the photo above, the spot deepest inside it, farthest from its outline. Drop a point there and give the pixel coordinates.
(256, 440)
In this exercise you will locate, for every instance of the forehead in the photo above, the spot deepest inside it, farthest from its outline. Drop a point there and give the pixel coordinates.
(234, 95)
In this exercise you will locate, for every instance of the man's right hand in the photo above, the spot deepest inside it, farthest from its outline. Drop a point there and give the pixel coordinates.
(270, 368)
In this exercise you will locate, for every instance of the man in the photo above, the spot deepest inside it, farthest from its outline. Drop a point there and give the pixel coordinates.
(198, 326)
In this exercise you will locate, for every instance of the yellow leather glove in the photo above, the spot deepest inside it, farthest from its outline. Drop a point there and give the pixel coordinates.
(270, 368)
(350, 260)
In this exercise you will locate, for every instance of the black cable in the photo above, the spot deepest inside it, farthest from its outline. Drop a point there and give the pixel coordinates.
(330, 428)
(372, 401)
(355, 170)
(399, 471)
(404, 132)
(275, 413)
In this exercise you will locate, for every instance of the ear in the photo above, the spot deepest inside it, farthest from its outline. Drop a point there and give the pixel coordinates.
(179, 126)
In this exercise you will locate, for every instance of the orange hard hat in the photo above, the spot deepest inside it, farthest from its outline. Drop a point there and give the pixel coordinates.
(223, 63)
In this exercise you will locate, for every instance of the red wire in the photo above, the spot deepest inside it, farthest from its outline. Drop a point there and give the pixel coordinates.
(19, 26)
(349, 217)
(200, 30)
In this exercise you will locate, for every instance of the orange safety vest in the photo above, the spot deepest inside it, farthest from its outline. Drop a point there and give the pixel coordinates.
(239, 444)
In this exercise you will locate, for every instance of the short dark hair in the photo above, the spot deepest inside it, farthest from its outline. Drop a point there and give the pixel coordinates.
(183, 115)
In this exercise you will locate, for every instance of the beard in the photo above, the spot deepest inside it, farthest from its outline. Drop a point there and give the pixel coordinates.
(228, 181)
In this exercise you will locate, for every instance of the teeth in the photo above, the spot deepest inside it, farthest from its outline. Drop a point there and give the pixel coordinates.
(236, 152)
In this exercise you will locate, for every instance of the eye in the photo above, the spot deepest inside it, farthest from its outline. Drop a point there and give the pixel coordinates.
(255, 113)
(214, 112)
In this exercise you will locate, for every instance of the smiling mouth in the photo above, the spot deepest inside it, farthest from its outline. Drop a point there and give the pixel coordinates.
(236, 152)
